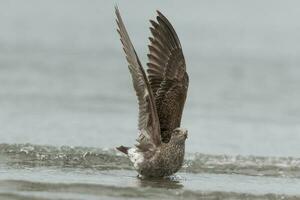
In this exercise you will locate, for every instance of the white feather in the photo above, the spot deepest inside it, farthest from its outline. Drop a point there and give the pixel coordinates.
(135, 157)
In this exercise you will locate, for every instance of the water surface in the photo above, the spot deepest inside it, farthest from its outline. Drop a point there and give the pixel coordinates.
(67, 100)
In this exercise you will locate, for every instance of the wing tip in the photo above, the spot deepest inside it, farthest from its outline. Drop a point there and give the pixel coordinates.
(116, 8)
(158, 12)
(118, 14)
(162, 19)
(161, 16)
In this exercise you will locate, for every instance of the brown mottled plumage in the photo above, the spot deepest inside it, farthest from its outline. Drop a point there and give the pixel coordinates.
(161, 143)
(167, 75)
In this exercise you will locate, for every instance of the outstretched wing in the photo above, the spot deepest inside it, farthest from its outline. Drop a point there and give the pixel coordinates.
(167, 75)
(148, 122)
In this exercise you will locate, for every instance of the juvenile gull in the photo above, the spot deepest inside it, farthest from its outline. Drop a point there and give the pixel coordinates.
(161, 97)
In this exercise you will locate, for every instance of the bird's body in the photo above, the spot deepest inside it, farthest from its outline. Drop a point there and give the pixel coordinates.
(161, 97)
(162, 161)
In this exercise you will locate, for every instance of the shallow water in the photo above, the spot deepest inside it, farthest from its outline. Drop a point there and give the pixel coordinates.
(46, 171)
(67, 100)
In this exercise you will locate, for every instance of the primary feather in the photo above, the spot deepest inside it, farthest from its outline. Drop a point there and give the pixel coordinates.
(148, 122)
(167, 75)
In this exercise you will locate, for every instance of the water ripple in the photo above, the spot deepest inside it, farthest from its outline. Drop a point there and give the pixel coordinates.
(18, 155)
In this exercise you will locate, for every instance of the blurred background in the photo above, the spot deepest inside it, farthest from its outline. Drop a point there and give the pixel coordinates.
(66, 99)
(64, 79)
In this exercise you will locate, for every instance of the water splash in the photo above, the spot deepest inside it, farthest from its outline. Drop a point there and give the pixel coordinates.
(101, 159)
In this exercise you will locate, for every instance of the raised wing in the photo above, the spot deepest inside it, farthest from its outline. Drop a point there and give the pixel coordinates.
(167, 75)
(148, 122)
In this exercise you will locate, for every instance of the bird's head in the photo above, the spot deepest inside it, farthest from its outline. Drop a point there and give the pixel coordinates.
(179, 135)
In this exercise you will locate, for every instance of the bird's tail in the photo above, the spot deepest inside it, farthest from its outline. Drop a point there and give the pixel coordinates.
(123, 149)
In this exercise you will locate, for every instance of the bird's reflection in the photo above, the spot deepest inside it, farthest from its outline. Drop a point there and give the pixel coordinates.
(172, 182)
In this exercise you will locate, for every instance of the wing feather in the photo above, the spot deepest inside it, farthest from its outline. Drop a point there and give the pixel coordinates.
(167, 74)
(148, 122)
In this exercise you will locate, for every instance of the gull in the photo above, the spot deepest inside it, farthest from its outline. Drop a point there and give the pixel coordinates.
(161, 97)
